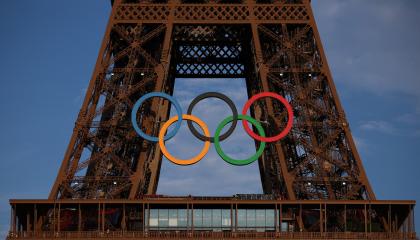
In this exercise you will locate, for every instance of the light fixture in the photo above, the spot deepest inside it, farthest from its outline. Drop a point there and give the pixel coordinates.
(344, 183)
(310, 75)
(142, 74)
(281, 74)
(115, 183)
(309, 184)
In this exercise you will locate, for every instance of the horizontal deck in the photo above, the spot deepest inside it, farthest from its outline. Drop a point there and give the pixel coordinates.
(245, 216)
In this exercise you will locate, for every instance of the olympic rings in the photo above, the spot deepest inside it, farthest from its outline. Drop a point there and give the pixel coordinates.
(225, 99)
(235, 161)
(289, 120)
(217, 137)
(140, 102)
(179, 161)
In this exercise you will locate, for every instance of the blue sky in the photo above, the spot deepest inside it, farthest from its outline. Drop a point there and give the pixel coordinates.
(49, 49)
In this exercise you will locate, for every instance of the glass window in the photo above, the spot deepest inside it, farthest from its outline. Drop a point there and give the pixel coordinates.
(173, 217)
(226, 222)
(250, 218)
(241, 218)
(269, 218)
(198, 217)
(182, 218)
(217, 218)
(163, 218)
(260, 217)
(153, 221)
(207, 218)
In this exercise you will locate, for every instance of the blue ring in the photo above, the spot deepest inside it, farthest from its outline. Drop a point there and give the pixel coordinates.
(140, 102)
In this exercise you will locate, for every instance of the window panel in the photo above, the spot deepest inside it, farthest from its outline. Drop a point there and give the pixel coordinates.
(250, 218)
(217, 218)
(206, 218)
(173, 218)
(226, 221)
(198, 217)
(182, 218)
(269, 218)
(260, 218)
(241, 218)
(163, 218)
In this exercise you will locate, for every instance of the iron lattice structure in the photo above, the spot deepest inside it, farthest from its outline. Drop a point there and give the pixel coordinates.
(273, 44)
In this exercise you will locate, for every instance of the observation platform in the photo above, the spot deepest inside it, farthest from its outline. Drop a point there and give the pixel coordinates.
(250, 216)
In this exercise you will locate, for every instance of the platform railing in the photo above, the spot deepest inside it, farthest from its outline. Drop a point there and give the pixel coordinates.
(216, 235)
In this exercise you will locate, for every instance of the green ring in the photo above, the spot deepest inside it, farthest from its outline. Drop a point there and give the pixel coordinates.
(230, 160)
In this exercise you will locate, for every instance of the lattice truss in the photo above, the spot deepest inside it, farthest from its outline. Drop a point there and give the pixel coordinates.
(216, 11)
(209, 51)
(319, 154)
(273, 44)
(102, 159)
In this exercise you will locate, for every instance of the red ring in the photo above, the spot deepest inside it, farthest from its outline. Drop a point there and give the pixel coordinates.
(289, 113)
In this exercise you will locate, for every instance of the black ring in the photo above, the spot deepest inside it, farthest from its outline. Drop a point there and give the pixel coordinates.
(221, 97)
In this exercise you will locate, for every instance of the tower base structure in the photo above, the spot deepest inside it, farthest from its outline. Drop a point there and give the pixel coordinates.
(250, 216)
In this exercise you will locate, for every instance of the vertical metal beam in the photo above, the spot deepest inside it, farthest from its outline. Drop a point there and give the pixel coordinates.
(59, 218)
(124, 221)
(28, 222)
(103, 216)
(146, 226)
(54, 218)
(281, 217)
(35, 219)
(389, 219)
(161, 113)
(192, 218)
(325, 218)
(79, 222)
(236, 217)
(188, 217)
(321, 219)
(276, 224)
(14, 218)
(365, 214)
(263, 71)
(231, 218)
(370, 218)
(345, 217)
(99, 217)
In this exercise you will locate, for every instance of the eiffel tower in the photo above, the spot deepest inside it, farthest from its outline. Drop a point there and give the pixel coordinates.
(275, 46)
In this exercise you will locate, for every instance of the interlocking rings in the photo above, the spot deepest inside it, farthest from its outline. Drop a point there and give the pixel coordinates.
(289, 120)
(140, 102)
(179, 161)
(219, 96)
(217, 137)
(235, 161)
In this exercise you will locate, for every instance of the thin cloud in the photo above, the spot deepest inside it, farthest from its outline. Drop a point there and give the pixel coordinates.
(374, 53)
(378, 126)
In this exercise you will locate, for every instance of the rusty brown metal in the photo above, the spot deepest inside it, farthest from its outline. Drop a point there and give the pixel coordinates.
(275, 46)
(322, 219)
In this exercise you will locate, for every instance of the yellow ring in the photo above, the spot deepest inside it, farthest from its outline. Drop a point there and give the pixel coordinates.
(173, 159)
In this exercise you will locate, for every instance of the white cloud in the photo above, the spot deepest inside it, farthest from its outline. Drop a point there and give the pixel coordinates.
(378, 126)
